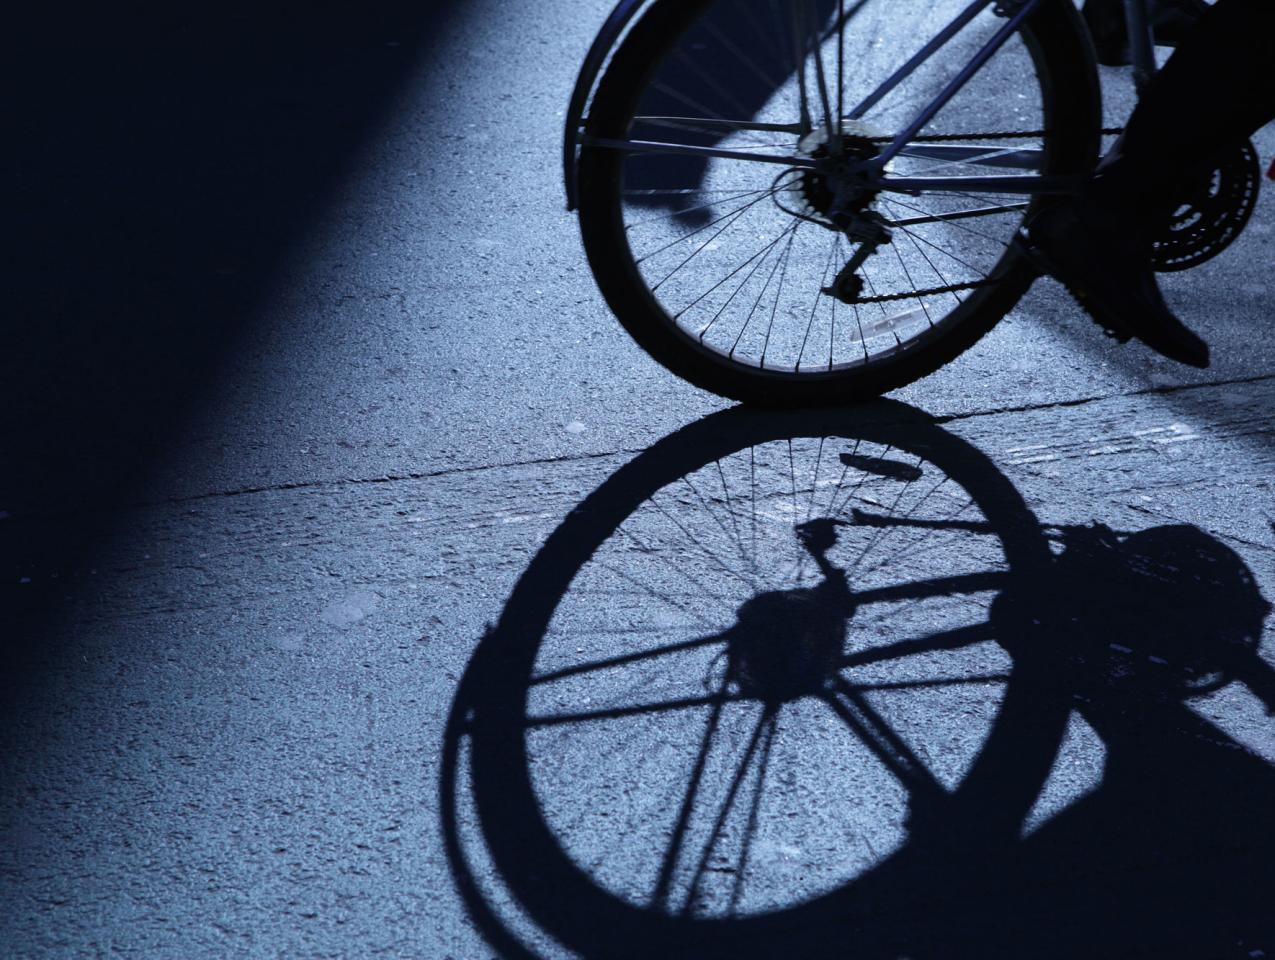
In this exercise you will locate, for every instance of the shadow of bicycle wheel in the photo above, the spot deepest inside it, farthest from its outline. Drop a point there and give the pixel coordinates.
(793, 683)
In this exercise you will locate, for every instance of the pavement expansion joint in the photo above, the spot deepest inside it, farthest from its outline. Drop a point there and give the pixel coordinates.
(1213, 531)
(624, 451)
(1084, 401)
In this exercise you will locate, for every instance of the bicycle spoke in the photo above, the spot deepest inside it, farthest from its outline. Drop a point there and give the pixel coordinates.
(691, 102)
(827, 271)
(930, 263)
(640, 147)
(857, 487)
(737, 781)
(655, 594)
(680, 192)
(748, 319)
(845, 471)
(668, 562)
(695, 542)
(949, 524)
(611, 663)
(732, 536)
(911, 283)
(716, 126)
(978, 159)
(954, 216)
(814, 481)
(778, 293)
(702, 247)
(766, 37)
(903, 489)
(738, 211)
(709, 204)
(748, 61)
(858, 322)
(637, 710)
(915, 237)
(763, 253)
(711, 82)
(877, 736)
(673, 852)
(750, 826)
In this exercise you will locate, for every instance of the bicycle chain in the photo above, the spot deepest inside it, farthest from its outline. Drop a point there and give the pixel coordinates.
(913, 294)
(1002, 135)
(948, 138)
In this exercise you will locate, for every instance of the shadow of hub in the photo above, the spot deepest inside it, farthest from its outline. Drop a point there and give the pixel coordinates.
(788, 644)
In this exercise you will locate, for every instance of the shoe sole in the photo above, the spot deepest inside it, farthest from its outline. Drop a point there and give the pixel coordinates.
(1047, 266)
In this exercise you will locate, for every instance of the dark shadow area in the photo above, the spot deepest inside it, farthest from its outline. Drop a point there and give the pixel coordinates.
(765, 42)
(160, 160)
(1169, 853)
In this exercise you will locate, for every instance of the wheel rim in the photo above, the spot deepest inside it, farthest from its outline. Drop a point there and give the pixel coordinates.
(714, 243)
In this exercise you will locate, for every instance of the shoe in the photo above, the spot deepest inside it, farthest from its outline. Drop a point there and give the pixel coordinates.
(1089, 248)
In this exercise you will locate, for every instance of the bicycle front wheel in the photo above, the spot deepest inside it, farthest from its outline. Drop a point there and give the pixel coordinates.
(722, 235)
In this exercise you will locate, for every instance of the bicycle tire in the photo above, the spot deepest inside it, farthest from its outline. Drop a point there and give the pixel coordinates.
(1056, 41)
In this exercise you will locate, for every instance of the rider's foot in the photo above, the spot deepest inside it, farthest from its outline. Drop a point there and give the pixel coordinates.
(1093, 251)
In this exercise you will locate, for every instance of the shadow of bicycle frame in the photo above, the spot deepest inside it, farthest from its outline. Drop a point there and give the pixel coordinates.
(1169, 854)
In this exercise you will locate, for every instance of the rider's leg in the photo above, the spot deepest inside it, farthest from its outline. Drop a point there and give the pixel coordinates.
(1172, 20)
(1218, 87)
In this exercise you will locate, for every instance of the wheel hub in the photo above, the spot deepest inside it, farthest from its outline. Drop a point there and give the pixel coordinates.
(835, 191)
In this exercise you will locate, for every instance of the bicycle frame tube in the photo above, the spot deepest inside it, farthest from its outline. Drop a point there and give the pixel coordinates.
(1031, 184)
(956, 83)
(927, 51)
(653, 146)
(1141, 41)
(874, 167)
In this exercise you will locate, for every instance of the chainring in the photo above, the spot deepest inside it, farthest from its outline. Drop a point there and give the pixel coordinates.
(1212, 214)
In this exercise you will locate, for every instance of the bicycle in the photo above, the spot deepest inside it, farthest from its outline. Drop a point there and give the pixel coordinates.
(804, 201)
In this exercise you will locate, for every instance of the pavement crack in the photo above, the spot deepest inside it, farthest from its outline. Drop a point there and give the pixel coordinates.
(111, 507)
(388, 477)
(1220, 534)
(1085, 401)
(633, 451)
(602, 455)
